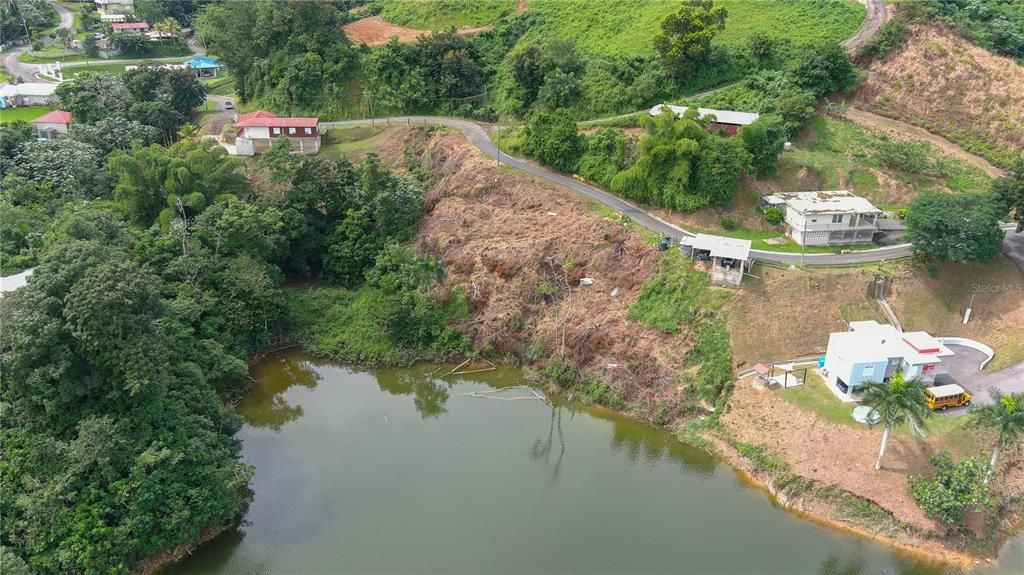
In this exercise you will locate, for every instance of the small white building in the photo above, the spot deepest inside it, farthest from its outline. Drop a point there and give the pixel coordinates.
(826, 218)
(729, 258)
(256, 132)
(51, 124)
(871, 351)
(27, 94)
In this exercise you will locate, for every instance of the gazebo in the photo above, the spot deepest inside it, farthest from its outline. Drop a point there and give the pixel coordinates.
(204, 67)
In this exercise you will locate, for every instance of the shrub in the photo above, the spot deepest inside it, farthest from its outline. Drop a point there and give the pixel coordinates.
(553, 140)
(774, 215)
(727, 224)
(953, 489)
(910, 157)
(890, 36)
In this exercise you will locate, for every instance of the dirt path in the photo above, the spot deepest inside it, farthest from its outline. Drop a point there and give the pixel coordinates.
(903, 130)
(375, 31)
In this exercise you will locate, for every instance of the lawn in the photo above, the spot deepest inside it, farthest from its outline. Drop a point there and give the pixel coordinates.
(28, 114)
(222, 85)
(815, 397)
(610, 27)
(51, 54)
(341, 141)
(443, 14)
(3, 76)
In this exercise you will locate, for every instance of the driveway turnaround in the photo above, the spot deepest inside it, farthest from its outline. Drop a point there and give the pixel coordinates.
(964, 370)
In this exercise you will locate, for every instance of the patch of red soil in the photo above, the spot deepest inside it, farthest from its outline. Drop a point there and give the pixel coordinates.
(374, 31)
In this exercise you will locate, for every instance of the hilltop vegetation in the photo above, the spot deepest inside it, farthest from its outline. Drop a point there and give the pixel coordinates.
(443, 14)
(607, 27)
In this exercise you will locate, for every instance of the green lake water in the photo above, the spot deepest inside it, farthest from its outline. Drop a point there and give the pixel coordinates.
(391, 471)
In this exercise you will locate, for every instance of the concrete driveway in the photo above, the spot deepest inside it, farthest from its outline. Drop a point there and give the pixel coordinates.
(964, 370)
(1013, 247)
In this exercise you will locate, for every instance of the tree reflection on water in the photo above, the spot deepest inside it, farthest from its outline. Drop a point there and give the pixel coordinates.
(541, 449)
(429, 395)
(265, 406)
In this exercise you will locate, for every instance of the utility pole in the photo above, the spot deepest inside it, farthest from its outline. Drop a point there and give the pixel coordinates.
(499, 144)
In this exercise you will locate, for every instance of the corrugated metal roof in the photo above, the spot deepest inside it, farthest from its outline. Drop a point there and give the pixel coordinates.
(721, 116)
(28, 89)
(54, 117)
(130, 26)
(723, 247)
(263, 122)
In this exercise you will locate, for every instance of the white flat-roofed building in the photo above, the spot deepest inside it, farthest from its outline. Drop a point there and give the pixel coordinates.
(826, 218)
(115, 6)
(872, 351)
(27, 94)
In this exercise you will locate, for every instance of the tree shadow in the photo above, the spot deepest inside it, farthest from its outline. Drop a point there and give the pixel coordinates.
(542, 447)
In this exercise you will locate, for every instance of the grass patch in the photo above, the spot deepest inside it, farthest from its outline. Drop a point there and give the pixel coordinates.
(443, 14)
(609, 27)
(28, 114)
(677, 297)
(4, 76)
(340, 141)
(345, 325)
(52, 54)
(815, 397)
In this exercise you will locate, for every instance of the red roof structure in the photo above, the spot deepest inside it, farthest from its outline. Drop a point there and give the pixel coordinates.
(54, 117)
(263, 119)
(130, 26)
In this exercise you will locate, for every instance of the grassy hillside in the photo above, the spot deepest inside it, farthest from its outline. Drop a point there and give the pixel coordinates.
(442, 14)
(608, 26)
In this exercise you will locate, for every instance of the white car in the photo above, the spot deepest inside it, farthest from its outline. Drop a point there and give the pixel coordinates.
(229, 105)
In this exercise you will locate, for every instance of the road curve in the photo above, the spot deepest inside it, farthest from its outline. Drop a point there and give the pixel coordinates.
(479, 137)
(873, 22)
(27, 72)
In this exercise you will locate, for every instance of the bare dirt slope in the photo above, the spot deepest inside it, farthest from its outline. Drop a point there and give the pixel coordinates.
(374, 31)
(519, 248)
(952, 88)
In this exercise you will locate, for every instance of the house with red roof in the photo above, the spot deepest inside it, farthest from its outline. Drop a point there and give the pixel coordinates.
(52, 123)
(256, 132)
(130, 26)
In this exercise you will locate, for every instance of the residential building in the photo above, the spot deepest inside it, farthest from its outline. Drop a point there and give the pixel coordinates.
(115, 6)
(826, 218)
(725, 120)
(871, 351)
(51, 124)
(27, 94)
(256, 132)
(728, 258)
(108, 18)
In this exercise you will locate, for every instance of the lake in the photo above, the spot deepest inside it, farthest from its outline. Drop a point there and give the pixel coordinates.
(392, 471)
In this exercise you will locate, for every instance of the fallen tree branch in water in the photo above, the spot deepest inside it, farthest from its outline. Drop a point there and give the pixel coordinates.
(534, 394)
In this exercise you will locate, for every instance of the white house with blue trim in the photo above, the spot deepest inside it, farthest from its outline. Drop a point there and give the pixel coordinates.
(871, 351)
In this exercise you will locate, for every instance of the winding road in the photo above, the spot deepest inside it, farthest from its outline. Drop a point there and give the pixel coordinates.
(27, 72)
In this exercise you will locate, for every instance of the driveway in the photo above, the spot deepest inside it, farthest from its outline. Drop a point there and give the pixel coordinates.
(963, 369)
(1013, 247)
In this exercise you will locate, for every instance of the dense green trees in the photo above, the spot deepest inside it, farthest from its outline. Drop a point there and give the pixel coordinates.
(285, 55)
(955, 227)
(953, 488)
(685, 38)
(997, 25)
(19, 18)
(553, 139)
(1010, 191)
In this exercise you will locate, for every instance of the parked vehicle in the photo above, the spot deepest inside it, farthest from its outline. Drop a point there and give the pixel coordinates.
(229, 105)
(945, 396)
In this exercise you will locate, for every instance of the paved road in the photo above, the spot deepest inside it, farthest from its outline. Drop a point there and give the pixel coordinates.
(874, 21)
(1013, 247)
(479, 137)
(28, 72)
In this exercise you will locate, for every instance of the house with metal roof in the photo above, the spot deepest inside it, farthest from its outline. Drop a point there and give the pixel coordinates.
(728, 121)
(51, 124)
(256, 132)
(872, 351)
(727, 258)
(826, 218)
(27, 94)
(204, 66)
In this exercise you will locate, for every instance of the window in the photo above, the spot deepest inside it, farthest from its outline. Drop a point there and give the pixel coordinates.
(869, 370)
(309, 131)
(275, 131)
(837, 218)
(291, 131)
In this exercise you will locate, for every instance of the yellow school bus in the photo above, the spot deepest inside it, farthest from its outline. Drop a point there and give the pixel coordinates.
(946, 396)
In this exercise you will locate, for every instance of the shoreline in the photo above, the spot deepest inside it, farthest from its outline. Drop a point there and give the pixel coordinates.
(937, 551)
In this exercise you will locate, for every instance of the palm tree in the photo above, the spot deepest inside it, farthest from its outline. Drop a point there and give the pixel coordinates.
(1006, 416)
(188, 131)
(902, 400)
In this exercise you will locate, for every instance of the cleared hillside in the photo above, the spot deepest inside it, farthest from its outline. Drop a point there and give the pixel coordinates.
(952, 88)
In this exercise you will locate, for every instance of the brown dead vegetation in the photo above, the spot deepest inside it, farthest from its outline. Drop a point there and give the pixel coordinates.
(952, 88)
(519, 248)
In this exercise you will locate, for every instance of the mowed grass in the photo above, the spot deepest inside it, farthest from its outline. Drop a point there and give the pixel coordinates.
(28, 114)
(611, 27)
(341, 141)
(443, 14)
